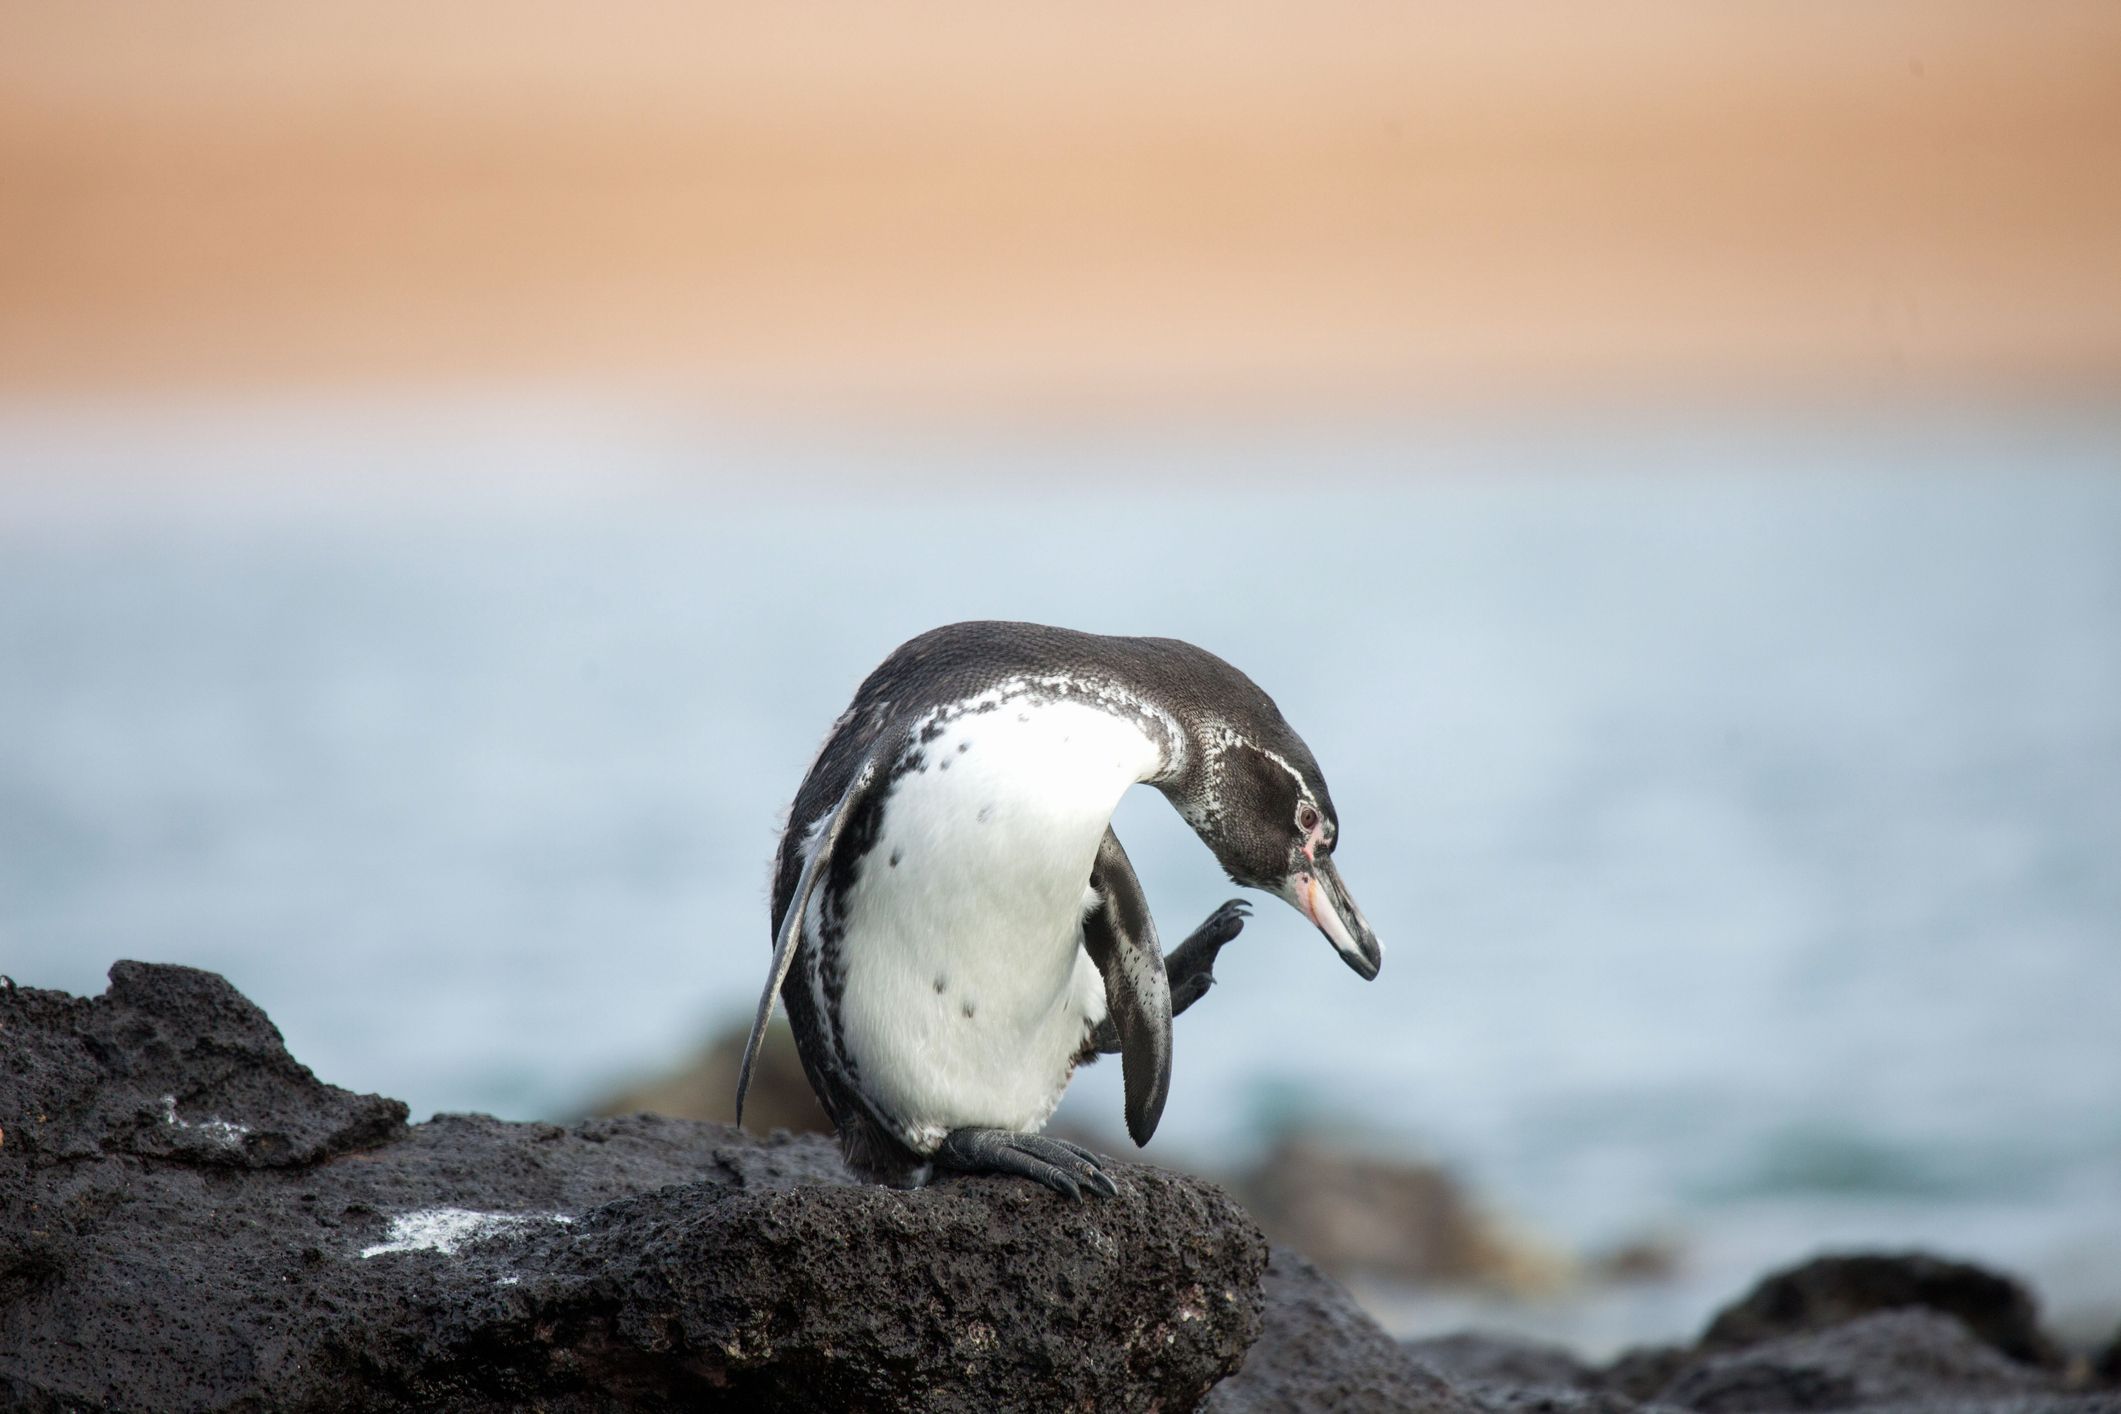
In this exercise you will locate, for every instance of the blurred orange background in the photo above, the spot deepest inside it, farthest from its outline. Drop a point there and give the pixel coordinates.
(940, 207)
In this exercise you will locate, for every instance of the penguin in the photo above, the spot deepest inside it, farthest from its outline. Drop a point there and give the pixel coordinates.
(955, 926)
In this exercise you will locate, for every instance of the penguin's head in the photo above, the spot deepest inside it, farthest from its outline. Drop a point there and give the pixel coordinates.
(1259, 801)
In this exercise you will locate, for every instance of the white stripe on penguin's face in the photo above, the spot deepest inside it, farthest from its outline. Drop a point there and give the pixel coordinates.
(1220, 739)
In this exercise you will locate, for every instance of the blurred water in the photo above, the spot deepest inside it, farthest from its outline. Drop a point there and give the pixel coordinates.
(1739, 799)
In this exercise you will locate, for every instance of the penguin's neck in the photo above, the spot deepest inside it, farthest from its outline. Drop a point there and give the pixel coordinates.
(1064, 717)
(1052, 758)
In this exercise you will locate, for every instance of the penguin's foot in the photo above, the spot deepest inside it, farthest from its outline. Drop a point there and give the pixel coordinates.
(1191, 965)
(1061, 1166)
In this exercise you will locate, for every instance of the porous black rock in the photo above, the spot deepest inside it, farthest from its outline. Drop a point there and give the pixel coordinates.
(1321, 1351)
(157, 1067)
(190, 1220)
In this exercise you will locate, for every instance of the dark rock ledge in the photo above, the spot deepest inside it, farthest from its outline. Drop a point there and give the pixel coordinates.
(190, 1220)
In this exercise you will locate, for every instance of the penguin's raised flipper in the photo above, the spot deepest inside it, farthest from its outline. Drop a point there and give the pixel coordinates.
(1121, 940)
(784, 946)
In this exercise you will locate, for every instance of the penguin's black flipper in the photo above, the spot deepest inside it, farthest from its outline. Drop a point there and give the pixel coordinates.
(784, 946)
(1121, 940)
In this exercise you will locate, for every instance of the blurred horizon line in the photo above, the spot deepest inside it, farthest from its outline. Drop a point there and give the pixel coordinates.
(283, 460)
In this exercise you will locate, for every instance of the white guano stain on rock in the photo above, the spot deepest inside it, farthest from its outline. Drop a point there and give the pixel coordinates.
(444, 1230)
(221, 1131)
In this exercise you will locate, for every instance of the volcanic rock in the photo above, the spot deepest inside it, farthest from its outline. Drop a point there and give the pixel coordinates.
(191, 1220)
(1902, 1357)
(1828, 1291)
(1320, 1351)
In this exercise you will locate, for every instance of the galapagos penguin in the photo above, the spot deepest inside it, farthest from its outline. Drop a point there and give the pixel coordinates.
(955, 926)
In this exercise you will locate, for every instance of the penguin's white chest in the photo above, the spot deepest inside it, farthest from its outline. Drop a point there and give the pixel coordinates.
(966, 990)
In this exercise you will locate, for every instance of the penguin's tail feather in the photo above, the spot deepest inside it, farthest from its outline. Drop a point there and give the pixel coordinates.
(784, 945)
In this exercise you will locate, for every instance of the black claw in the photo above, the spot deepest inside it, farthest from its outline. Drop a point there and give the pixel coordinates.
(1086, 1164)
(1223, 924)
(1076, 1149)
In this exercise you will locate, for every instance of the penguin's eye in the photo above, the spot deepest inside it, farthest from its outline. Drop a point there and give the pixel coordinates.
(1307, 818)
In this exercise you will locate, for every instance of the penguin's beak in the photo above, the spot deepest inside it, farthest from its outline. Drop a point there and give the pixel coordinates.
(1317, 892)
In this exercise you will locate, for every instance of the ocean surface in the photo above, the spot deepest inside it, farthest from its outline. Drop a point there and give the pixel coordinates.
(1738, 796)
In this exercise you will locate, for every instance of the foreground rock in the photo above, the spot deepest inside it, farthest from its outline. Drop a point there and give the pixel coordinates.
(1320, 1351)
(1355, 1214)
(190, 1220)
